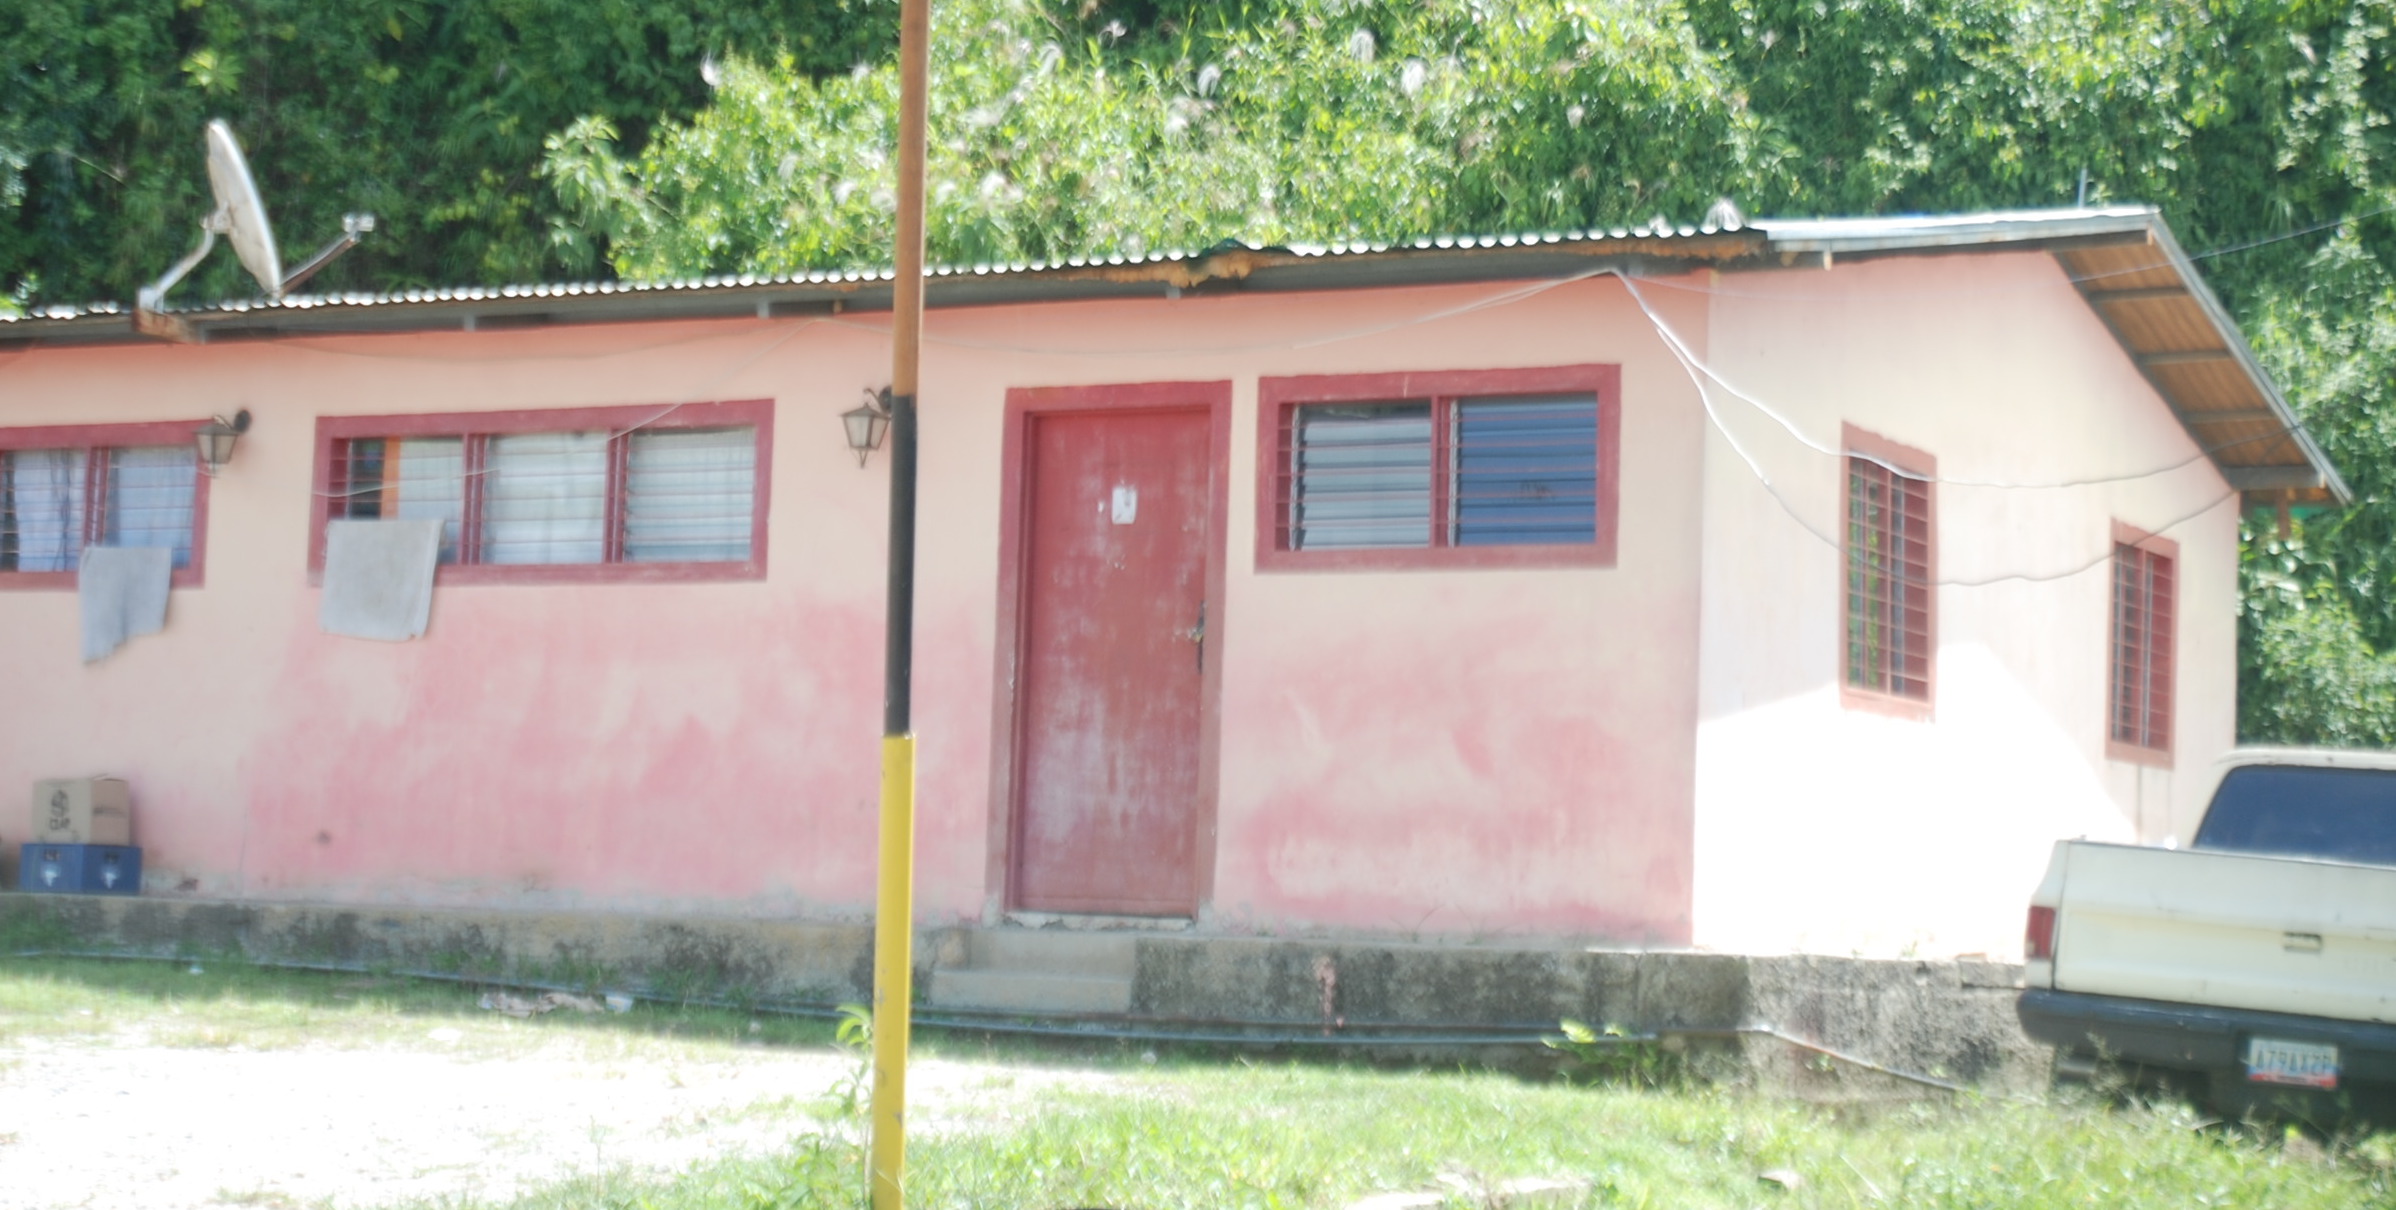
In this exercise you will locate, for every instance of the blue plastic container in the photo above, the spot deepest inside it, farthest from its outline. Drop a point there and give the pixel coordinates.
(80, 869)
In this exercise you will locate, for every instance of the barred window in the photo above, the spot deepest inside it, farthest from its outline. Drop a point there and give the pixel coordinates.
(678, 491)
(2144, 594)
(1890, 598)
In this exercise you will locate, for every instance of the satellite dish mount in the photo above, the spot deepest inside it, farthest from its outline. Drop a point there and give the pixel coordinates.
(240, 216)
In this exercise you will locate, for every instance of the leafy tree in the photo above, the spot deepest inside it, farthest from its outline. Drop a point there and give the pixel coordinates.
(1305, 121)
(1172, 123)
(429, 113)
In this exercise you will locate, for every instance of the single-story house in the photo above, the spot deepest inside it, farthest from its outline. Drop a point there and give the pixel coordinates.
(1786, 585)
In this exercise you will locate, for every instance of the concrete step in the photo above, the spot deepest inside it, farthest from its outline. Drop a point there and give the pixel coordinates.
(1052, 952)
(1018, 991)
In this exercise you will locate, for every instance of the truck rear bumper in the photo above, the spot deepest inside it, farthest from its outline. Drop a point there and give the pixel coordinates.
(2195, 1037)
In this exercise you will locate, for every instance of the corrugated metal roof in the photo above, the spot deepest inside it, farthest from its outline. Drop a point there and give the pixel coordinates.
(2123, 259)
(2147, 290)
(730, 281)
(1926, 232)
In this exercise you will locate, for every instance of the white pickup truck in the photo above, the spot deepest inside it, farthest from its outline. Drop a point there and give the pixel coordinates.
(2261, 958)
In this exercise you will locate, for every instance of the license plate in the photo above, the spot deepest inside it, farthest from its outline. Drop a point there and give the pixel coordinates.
(2280, 1061)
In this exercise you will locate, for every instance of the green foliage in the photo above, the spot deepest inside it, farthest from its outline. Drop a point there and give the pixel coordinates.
(1299, 120)
(2306, 673)
(854, 1036)
(2319, 605)
(1164, 123)
(429, 113)
(1613, 1055)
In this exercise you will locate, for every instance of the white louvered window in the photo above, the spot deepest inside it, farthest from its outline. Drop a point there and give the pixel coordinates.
(54, 502)
(654, 496)
(545, 500)
(690, 495)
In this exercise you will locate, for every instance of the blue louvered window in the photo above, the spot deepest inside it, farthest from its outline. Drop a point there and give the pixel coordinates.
(1410, 474)
(1526, 471)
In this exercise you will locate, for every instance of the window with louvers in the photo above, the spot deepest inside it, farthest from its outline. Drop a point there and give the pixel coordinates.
(54, 502)
(524, 496)
(1443, 472)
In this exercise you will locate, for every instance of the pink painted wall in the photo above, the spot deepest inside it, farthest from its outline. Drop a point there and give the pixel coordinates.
(1830, 829)
(1649, 753)
(1448, 753)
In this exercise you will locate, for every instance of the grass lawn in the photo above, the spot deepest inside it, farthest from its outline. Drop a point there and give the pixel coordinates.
(1141, 1128)
(234, 1004)
(1282, 1135)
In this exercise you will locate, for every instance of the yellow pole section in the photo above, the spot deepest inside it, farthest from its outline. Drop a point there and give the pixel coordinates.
(894, 916)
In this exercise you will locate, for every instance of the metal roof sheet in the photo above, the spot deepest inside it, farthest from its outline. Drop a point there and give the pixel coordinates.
(2123, 260)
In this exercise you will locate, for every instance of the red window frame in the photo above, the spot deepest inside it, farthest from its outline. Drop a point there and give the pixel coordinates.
(2142, 647)
(1869, 462)
(95, 440)
(333, 432)
(1278, 401)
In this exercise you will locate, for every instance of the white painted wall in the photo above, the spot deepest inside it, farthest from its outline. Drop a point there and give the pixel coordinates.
(1829, 829)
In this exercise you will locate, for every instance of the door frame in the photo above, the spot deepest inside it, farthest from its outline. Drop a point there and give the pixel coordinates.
(1024, 406)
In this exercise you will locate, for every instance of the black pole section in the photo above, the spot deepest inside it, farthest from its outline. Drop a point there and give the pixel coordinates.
(898, 645)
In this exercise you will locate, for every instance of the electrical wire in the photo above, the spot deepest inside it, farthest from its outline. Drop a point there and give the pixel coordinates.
(1706, 399)
(1689, 359)
(2298, 233)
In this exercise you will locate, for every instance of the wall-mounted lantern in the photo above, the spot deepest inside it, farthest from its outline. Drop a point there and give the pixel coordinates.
(217, 439)
(868, 423)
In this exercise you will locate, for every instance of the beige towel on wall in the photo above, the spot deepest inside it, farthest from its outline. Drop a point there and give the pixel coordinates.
(121, 592)
(378, 578)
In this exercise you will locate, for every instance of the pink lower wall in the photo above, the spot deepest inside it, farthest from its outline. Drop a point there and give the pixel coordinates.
(1434, 752)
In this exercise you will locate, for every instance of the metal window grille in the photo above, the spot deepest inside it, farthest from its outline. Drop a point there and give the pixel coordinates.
(1888, 581)
(2143, 598)
(664, 495)
(55, 502)
(1511, 471)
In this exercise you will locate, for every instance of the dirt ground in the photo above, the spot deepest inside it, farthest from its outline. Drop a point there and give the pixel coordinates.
(125, 1121)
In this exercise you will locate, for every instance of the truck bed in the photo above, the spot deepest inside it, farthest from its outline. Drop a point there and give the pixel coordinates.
(2228, 930)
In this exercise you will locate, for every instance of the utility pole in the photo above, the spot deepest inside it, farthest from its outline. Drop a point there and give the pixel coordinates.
(894, 909)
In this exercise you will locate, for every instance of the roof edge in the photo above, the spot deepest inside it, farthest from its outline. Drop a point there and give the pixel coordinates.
(1227, 266)
(2234, 338)
(1932, 232)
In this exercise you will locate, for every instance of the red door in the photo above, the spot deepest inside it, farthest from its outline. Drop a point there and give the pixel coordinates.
(1106, 808)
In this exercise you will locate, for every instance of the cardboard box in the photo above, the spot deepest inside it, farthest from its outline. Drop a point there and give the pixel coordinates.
(80, 869)
(83, 810)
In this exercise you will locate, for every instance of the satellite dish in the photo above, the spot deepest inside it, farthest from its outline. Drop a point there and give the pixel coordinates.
(244, 214)
(240, 216)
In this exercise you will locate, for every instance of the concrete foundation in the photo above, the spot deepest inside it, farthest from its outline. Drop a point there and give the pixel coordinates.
(1951, 1020)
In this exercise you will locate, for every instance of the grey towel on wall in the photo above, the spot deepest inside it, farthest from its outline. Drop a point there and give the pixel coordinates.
(122, 593)
(378, 578)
